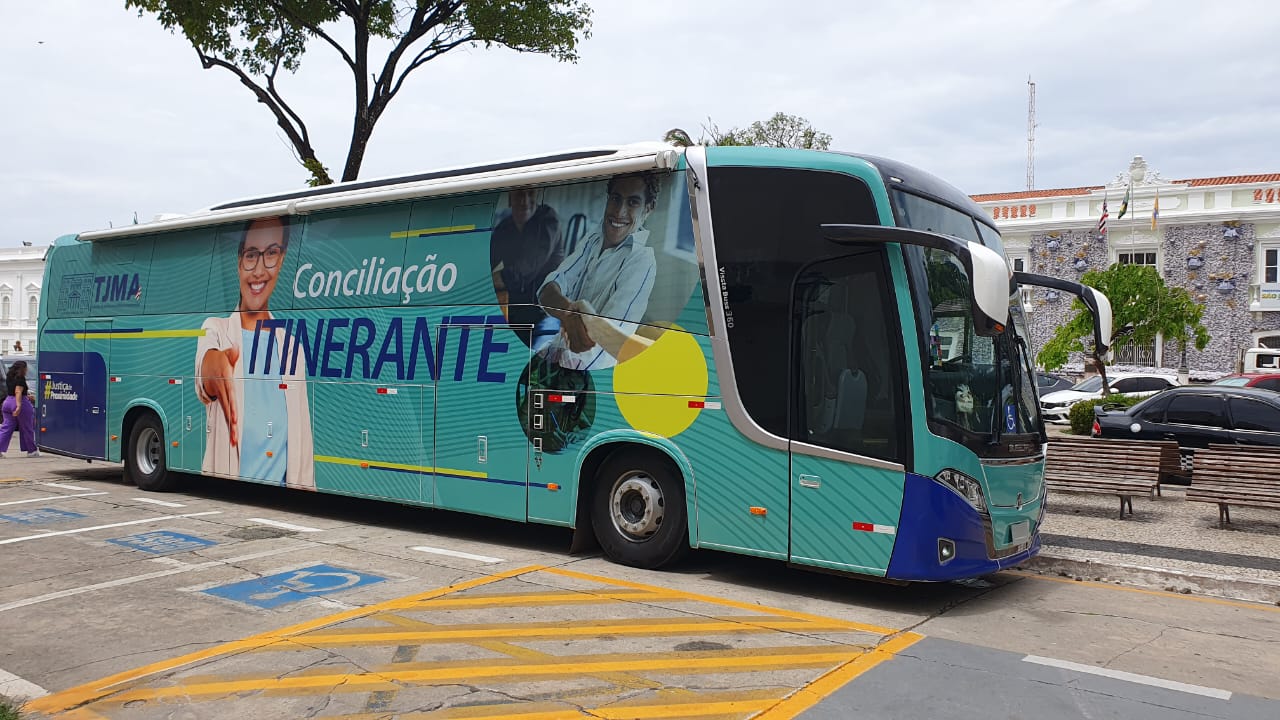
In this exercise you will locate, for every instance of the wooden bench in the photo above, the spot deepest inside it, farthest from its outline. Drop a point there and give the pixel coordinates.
(1110, 467)
(1236, 475)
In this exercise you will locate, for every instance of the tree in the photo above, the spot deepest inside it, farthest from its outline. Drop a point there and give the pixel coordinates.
(1143, 306)
(781, 130)
(255, 40)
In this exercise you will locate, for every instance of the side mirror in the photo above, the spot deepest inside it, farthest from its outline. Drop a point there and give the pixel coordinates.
(988, 273)
(1097, 303)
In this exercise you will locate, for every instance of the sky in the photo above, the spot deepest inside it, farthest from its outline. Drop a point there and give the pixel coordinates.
(106, 115)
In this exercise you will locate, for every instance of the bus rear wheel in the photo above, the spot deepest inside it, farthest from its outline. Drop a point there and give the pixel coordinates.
(144, 459)
(638, 511)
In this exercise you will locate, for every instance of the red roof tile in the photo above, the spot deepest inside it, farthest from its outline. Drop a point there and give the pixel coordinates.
(1064, 192)
(1232, 180)
(1028, 194)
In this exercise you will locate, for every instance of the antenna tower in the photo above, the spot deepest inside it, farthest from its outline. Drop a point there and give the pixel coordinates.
(1031, 134)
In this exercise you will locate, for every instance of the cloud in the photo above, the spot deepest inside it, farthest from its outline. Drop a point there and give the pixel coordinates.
(112, 114)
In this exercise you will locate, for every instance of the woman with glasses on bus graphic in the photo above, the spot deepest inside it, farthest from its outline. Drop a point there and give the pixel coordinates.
(260, 429)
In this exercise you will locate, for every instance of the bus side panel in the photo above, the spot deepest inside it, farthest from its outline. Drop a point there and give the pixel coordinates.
(73, 382)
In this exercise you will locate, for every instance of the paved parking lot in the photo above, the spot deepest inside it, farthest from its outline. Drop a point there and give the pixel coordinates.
(230, 599)
(567, 644)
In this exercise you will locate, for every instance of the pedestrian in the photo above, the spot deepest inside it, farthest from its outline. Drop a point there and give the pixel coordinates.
(18, 412)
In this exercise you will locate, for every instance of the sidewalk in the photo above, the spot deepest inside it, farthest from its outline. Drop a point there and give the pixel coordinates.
(1167, 544)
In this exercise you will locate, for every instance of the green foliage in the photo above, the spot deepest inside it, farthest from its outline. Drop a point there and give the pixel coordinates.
(781, 130)
(1143, 306)
(1081, 414)
(10, 709)
(319, 173)
(256, 39)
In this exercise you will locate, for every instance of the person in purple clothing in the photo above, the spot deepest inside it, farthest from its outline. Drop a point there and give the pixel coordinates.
(18, 413)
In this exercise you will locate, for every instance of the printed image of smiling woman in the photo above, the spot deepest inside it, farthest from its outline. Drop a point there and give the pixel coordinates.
(258, 420)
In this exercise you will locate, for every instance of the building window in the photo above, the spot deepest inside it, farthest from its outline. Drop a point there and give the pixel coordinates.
(33, 308)
(4, 309)
(1137, 258)
(1270, 265)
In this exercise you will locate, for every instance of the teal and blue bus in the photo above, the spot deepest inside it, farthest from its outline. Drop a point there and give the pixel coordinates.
(810, 356)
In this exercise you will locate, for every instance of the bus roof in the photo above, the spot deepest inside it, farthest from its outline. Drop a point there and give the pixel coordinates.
(559, 167)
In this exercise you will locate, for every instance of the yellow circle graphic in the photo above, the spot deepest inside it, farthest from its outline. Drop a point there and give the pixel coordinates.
(653, 388)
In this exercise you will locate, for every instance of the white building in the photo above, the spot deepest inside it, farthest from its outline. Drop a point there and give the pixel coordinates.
(21, 277)
(1219, 238)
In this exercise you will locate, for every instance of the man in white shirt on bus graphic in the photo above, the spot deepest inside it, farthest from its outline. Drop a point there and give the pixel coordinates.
(610, 274)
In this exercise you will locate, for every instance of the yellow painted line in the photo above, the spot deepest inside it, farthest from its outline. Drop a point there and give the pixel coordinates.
(144, 334)
(8, 480)
(810, 694)
(1157, 593)
(721, 601)
(387, 676)
(396, 466)
(701, 705)
(88, 692)
(432, 231)
(532, 600)
(672, 626)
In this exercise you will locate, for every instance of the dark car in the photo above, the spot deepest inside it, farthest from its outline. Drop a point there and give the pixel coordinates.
(1197, 415)
(1049, 382)
(1266, 381)
(33, 375)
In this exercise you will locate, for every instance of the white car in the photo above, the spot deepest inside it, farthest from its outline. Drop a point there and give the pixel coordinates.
(1056, 406)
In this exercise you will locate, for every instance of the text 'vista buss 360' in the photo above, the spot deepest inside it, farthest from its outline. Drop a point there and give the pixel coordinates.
(808, 356)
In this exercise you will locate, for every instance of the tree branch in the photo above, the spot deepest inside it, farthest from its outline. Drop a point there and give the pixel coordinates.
(283, 9)
(285, 116)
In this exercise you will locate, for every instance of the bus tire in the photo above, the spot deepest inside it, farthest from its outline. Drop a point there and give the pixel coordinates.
(638, 511)
(144, 460)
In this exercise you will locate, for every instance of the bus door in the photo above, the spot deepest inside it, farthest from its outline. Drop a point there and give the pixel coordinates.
(848, 415)
(481, 451)
(73, 388)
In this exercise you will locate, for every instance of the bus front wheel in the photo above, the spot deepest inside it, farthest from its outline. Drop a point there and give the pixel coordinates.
(144, 459)
(638, 511)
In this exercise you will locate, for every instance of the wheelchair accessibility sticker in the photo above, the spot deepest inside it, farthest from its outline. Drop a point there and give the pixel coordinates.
(290, 587)
(163, 542)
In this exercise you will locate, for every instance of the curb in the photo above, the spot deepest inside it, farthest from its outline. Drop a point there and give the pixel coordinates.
(1232, 587)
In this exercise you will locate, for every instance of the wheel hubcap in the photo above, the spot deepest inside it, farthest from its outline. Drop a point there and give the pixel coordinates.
(636, 506)
(148, 451)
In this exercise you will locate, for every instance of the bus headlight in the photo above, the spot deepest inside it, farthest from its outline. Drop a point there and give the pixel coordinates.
(964, 486)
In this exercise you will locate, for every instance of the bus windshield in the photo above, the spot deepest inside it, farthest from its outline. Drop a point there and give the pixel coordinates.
(980, 388)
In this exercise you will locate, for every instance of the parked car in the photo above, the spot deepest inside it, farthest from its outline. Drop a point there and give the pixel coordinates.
(1266, 381)
(1056, 406)
(1049, 382)
(1197, 415)
(33, 375)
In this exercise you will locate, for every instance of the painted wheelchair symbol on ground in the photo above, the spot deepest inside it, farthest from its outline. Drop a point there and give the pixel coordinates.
(534, 643)
(290, 587)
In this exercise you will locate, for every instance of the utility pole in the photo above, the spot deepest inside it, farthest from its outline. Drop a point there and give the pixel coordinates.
(1031, 134)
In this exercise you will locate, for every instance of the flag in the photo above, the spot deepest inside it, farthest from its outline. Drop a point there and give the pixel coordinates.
(1124, 204)
(1155, 211)
(1102, 221)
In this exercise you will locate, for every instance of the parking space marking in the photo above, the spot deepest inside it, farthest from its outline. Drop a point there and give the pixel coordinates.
(162, 503)
(104, 527)
(64, 486)
(582, 681)
(1129, 677)
(457, 554)
(283, 525)
(177, 567)
(50, 498)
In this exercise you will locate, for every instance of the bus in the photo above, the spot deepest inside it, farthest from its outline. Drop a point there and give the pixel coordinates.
(816, 357)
